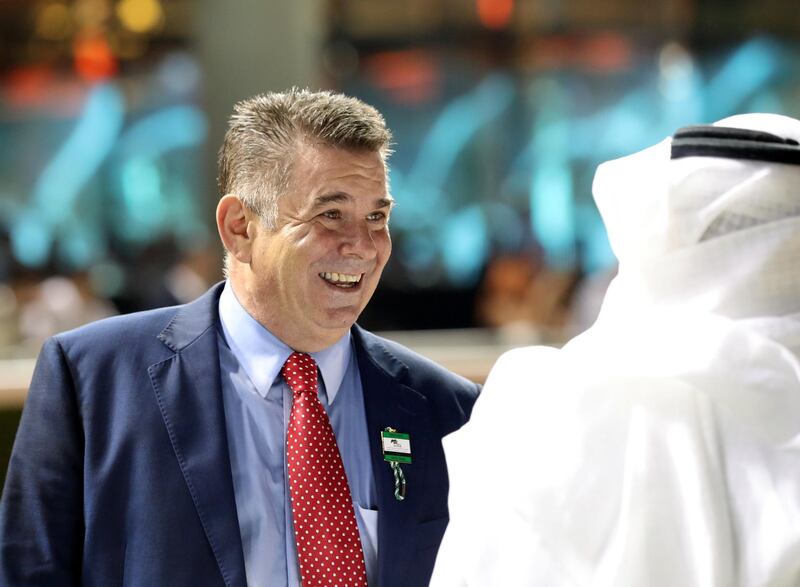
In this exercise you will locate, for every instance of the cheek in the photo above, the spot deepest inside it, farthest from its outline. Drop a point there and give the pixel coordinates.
(320, 242)
(263, 258)
(383, 243)
(301, 248)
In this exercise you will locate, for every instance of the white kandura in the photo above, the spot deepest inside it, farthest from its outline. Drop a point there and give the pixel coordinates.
(660, 448)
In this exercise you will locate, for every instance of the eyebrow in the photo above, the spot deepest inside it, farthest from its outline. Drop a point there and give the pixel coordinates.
(325, 199)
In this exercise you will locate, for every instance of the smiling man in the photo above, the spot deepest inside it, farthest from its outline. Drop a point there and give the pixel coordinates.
(239, 439)
(321, 259)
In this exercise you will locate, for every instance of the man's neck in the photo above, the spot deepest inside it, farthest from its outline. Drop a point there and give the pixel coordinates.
(300, 340)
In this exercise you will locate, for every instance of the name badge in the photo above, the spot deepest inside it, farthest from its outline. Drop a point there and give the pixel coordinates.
(396, 447)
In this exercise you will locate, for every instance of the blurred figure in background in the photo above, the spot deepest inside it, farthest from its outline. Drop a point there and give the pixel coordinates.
(659, 448)
(33, 307)
(189, 277)
(60, 303)
(523, 299)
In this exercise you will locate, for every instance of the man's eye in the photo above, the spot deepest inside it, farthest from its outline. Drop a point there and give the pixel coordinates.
(376, 217)
(333, 214)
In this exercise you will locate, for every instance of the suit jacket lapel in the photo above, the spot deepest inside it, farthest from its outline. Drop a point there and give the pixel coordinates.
(390, 403)
(188, 391)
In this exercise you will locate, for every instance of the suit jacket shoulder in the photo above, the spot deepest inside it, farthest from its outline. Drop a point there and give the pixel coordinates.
(120, 470)
(450, 396)
(134, 334)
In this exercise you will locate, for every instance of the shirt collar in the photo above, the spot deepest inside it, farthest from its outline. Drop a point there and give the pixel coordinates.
(261, 354)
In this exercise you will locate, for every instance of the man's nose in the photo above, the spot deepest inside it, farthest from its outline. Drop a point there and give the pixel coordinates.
(358, 241)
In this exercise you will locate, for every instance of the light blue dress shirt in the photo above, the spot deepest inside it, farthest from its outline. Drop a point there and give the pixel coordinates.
(257, 406)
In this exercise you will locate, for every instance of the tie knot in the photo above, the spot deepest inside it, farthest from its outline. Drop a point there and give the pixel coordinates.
(300, 372)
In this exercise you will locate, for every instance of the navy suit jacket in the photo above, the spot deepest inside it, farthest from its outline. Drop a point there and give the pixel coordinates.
(120, 473)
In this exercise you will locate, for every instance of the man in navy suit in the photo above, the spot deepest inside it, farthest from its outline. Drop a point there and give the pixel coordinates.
(152, 447)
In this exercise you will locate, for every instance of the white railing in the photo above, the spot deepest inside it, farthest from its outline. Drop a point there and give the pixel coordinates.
(468, 352)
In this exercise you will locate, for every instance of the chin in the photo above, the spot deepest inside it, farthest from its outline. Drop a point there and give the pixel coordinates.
(340, 318)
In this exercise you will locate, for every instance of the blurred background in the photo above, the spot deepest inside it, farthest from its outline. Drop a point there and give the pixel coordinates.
(111, 113)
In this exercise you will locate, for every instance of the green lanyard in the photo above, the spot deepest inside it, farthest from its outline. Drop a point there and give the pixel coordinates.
(396, 450)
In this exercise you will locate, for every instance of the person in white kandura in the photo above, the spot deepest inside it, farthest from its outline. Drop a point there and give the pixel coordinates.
(661, 447)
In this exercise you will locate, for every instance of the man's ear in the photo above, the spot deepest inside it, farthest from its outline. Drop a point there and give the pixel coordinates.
(233, 220)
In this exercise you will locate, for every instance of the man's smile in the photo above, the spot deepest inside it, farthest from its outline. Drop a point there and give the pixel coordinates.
(342, 280)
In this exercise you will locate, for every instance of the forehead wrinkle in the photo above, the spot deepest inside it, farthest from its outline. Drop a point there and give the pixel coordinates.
(371, 174)
(342, 197)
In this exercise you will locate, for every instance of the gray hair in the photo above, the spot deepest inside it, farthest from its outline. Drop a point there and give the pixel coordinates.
(266, 131)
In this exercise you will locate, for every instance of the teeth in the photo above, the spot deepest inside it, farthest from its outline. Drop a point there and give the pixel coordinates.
(340, 277)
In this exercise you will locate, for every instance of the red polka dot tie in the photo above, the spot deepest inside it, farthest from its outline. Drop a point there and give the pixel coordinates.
(328, 544)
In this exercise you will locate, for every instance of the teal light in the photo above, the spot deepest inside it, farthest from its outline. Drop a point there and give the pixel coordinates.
(144, 207)
(424, 201)
(418, 251)
(506, 226)
(149, 201)
(81, 245)
(52, 204)
(79, 158)
(414, 212)
(552, 213)
(168, 129)
(31, 239)
(766, 101)
(465, 245)
(749, 68)
(551, 194)
(455, 127)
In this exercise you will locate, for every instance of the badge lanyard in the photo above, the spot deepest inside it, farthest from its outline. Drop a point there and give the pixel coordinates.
(396, 449)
